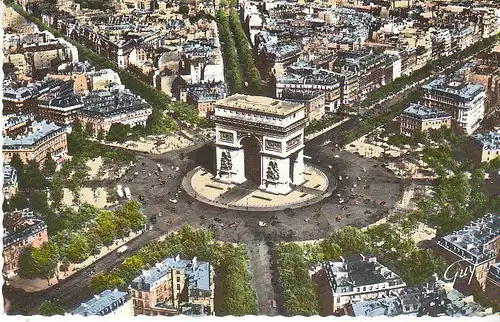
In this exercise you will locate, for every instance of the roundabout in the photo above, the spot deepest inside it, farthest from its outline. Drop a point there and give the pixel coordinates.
(201, 185)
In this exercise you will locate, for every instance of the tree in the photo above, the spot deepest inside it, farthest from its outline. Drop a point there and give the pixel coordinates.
(77, 139)
(32, 177)
(351, 240)
(101, 135)
(39, 262)
(49, 166)
(158, 124)
(56, 189)
(129, 268)
(65, 263)
(183, 9)
(89, 129)
(49, 308)
(106, 227)
(101, 282)
(17, 163)
(39, 203)
(77, 249)
(118, 132)
(131, 213)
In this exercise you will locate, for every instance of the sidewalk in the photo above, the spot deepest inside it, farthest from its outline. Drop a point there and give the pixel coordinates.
(38, 284)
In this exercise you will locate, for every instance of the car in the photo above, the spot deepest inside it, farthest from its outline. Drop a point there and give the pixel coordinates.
(336, 156)
(152, 220)
(174, 201)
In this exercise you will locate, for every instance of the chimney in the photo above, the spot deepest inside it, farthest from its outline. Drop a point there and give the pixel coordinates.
(115, 290)
(96, 297)
(362, 257)
(145, 273)
(177, 258)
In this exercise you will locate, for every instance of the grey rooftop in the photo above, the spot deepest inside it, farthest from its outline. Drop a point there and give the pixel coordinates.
(488, 140)
(421, 112)
(468, 243)
(104, 303)
(36, 132)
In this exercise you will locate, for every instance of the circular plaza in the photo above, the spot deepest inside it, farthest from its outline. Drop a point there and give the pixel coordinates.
(247, 196)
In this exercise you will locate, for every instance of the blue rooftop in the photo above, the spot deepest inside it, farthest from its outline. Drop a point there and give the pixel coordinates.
(423, 113)
(104, 303)
(36, 132)
(455, 90)
(489, 140)
(197, 273)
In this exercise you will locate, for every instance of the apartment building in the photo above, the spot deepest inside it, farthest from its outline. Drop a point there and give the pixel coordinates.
(114, 303)
(24, 99)
(476, 244)
(441, 43)
(418, 118)
(313, 101)
(492, 288)
(103, 108)
(302, 77)
(463, 101)
(486, 146)
(21, 229)
(35, 140)
(359, 278)
(101, 79)
(172, 283)
(59, 109)
(433, 298)
(203, 96)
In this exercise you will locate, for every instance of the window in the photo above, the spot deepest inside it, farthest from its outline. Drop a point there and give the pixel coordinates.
(364, 289)
(178, 287)
(178, 279)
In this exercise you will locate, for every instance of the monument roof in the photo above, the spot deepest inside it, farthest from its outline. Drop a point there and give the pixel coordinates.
(260, 104)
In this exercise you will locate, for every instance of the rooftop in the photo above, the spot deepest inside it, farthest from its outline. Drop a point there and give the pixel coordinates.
(19, 225)
(197, 273)
(359, 272)
(468, 242)
(489, 140)
(112, 102)
(424, 113)
(259, 104)
(34, 133)
(456, 90)
(102, 304)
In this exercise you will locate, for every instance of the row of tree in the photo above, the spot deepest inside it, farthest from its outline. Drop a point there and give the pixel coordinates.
(321, 124)
(84, 232)
(235, 297)
(247, 62)
(233, 75)
(300, 294)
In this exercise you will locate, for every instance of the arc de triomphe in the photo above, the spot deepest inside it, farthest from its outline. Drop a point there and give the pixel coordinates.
(260, 139)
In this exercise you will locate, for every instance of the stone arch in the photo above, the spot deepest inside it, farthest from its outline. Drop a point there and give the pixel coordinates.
(252, 147)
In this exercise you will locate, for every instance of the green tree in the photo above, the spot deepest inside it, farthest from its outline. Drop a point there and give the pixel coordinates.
(56, 189)
(131, 213)
(39, 203)
(118, 132)
(101, 282)
(106, 222)
(101, 135)
(49, 166)
(39, 262)
(32, 177)
(77, 249)
(77, 139)
(158, 124)
(351, 240)
(17, 163)
(129, 268)
(49, 308)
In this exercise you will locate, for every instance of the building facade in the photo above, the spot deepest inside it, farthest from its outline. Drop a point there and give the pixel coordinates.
(172, 283)
(359, 278)
(464, 102)
(417, 119)
(476, 246)
(103, 108)
(22, 229)
(35, 141)
(486, 146)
